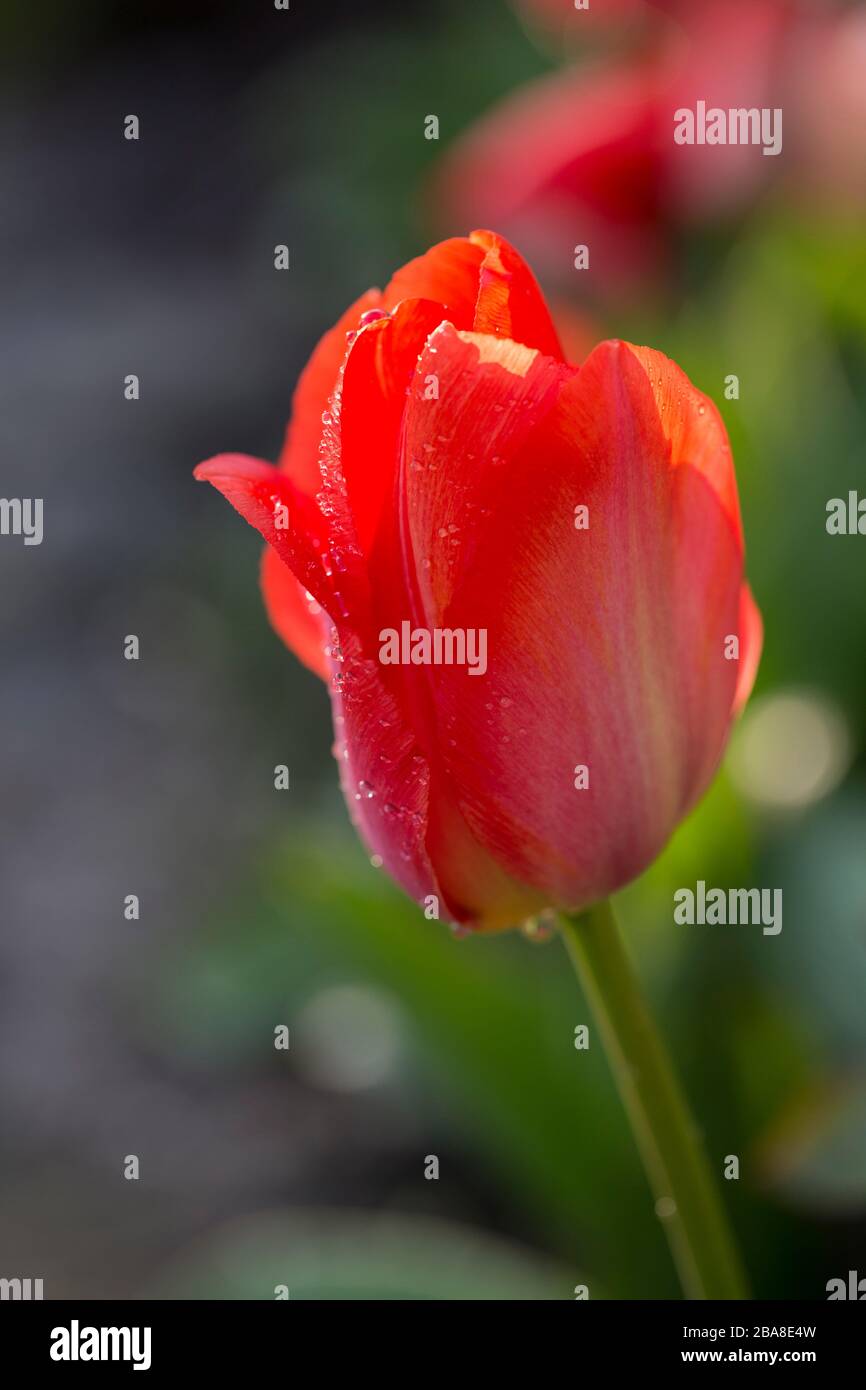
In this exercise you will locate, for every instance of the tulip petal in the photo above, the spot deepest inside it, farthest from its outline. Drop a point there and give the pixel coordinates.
(694, 428)
(383, 771)
(751, 629)
(510, 303)
(698, 439)
(447, 274)
(294, 615)
(606, 645)
(286, 601)
(300, 453)
(288, 519)
(481, 283)
(456, 452)
(378, 373)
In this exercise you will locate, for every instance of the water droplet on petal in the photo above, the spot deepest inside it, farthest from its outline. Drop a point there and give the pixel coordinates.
(539, 929)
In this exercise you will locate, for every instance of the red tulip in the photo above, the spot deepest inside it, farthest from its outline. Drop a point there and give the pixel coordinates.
(439, 453)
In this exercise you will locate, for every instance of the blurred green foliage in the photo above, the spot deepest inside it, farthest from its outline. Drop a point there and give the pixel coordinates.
(342, 1254)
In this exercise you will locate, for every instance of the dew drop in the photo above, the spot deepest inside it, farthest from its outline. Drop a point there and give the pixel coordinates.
(539, 929)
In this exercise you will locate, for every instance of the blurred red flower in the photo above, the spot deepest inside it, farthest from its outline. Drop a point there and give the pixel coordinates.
(588, 156)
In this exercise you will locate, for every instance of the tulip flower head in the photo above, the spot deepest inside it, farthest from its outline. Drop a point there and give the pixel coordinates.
(521, 580)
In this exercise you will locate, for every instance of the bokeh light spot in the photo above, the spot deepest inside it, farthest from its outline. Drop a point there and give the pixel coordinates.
(349, 1038)
(791, 749)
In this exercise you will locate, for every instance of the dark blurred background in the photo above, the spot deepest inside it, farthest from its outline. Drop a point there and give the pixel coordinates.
(155, 1037)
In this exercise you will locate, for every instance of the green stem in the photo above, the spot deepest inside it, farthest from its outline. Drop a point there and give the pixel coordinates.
(669, 1142)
